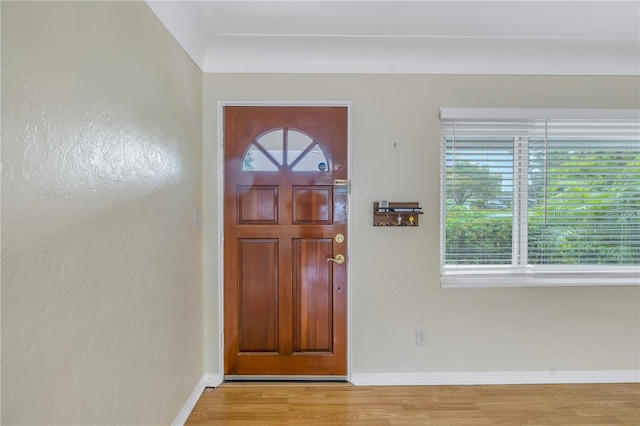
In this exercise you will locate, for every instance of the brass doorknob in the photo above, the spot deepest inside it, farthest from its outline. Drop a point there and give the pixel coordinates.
(339, 259)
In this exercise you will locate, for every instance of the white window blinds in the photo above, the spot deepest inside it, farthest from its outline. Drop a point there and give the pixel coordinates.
(540, 197)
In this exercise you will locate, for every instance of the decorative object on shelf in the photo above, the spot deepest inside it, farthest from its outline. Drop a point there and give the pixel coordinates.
(396, 213)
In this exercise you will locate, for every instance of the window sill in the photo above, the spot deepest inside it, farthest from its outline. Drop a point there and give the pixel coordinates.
(496, 279)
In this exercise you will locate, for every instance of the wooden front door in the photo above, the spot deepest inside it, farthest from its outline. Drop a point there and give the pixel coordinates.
(285, 295)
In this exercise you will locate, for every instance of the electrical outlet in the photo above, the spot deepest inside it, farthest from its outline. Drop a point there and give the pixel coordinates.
(197, 219)
(421, 336)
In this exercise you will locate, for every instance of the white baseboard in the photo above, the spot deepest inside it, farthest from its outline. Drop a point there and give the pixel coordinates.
(212, 380)
(496, 377)
(207, 381)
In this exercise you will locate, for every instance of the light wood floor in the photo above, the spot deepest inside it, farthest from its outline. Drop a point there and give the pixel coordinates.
(344, 404)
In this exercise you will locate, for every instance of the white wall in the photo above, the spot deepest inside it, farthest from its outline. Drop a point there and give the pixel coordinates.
(101, 169)
(395, 272)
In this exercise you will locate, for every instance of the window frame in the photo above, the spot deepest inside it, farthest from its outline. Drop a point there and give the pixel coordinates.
(519, 273)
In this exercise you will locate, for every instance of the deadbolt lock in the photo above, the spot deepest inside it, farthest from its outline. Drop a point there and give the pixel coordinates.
(339, 238)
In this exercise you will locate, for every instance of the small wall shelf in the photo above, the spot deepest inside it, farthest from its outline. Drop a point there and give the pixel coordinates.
(397, 214)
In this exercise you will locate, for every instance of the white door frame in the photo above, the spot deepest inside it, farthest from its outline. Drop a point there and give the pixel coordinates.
(220, 207)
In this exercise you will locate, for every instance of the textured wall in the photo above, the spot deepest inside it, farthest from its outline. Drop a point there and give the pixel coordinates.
(395, 272)
(101, 170)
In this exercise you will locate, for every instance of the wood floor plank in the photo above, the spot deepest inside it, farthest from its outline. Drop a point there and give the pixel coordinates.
(343, 404)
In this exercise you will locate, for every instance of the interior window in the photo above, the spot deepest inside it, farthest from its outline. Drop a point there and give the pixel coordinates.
(539, 201)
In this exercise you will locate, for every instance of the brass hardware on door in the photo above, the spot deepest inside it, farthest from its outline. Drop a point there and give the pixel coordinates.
(339, 259)
(342, 186)
(339, 238)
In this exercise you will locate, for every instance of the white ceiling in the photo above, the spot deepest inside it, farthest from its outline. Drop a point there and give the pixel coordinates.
(421, 37)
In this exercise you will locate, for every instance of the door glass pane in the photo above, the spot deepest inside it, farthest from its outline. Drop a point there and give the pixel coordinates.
(256, 161)
(297, 142)
(313, 161)
(273, 143)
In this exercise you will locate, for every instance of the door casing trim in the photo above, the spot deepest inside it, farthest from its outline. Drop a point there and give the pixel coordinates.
(220, 209)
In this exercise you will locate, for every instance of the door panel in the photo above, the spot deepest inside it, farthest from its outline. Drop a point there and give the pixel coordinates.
(312, 205)
(285, 300)
(258, 295)
(257, 205)
(313, 286)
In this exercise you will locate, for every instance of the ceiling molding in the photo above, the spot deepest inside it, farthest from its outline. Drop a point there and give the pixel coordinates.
(408, 37)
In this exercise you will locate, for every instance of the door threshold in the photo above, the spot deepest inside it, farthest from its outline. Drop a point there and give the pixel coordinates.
(283, 378)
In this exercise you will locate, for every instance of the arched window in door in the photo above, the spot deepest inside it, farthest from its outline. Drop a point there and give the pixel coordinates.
(281, 148)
